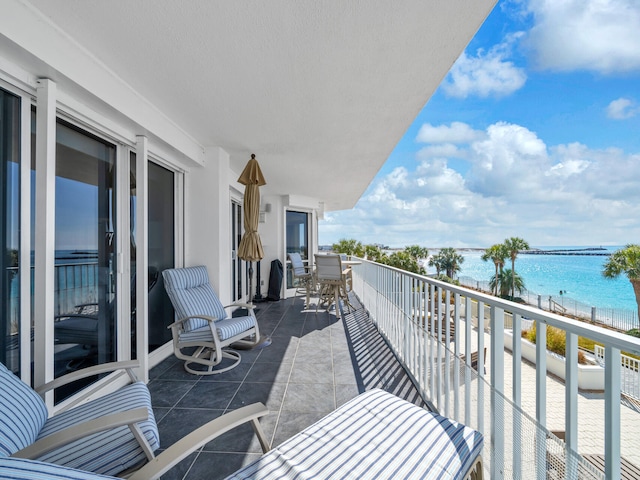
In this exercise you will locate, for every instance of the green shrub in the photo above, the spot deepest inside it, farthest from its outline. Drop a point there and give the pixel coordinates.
(556, 341)
(634, 332)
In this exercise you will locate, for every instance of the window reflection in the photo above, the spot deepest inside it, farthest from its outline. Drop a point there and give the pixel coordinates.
(297, 239)
(9, 229)
(85, 288)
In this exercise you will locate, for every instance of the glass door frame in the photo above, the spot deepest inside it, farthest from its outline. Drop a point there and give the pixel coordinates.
(239, 281)
(311, 245)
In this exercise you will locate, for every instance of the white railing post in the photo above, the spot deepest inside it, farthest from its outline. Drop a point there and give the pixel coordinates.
(541, 399)
(444, 319)
(435, 389)
(612, 412)
(517, 392)
(571, 402)
(456, 356)
(467, 354)
(497, 392)
(481, 367)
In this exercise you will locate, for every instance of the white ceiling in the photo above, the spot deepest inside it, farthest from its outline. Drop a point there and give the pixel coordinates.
(320, 91)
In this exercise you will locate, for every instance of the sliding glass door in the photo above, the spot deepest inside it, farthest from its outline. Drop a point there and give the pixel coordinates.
(161, 251)
(9, 229)
(238, 266)
(297, 239)
(85, 263)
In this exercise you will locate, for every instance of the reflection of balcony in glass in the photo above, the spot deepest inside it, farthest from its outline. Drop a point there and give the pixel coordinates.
(75, 286)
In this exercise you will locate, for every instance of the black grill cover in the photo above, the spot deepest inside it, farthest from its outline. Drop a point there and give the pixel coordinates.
(275, 280)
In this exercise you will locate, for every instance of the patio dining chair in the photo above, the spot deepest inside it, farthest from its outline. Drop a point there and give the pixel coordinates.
(204, 330)
(332, 281)
(303, 275)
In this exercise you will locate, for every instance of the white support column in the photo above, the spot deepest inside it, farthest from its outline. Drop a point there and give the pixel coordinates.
(123, 254)
(612, 372)
(25, 239)
(142, 256)
(45, 234)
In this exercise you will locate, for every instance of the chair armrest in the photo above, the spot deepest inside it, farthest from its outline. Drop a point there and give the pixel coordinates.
(128, 366)
(107, 422)
(182, 320)
(196, 439)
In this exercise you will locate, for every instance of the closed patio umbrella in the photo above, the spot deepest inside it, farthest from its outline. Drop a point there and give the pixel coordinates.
(250, 248)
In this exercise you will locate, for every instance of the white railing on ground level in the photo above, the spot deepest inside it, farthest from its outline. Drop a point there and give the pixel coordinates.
(630, 372)
(430, 326)
(619, 318)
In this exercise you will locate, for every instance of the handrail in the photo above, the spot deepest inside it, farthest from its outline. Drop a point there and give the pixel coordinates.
(400, 303)
(630, 376)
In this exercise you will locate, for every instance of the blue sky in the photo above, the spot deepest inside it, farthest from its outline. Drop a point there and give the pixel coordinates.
(535, 133)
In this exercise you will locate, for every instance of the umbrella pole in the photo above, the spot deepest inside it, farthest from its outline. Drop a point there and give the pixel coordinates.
(258, 298)
(250, 302)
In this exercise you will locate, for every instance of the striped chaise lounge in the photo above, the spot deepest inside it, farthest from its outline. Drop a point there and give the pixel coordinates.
(375, 436)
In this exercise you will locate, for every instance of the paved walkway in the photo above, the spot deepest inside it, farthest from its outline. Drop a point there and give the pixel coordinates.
(590, 410)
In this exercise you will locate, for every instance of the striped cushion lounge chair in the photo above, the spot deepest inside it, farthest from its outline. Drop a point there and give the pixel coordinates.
(23, 469)
(375, 436)
(102, 429)
(96, 438)
(204, 328)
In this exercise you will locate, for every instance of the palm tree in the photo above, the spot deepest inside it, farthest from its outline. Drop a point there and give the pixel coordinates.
(417, 252)
(349, 247)
(437, 261)
(452, 261)
(627, 261)
(374, 253)
(405, 261)
(513, 246)
(497, 254)
(503, 280)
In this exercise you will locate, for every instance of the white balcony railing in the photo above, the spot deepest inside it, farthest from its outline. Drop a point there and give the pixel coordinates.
(510, 408)
(630, 376)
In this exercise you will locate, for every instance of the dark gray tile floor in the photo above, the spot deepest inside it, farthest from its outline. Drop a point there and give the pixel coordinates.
(314, 364)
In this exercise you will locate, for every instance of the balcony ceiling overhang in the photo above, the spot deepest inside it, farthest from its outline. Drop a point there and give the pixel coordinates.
(320, 91)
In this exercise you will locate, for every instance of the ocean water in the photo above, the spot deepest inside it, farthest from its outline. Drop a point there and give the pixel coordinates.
(579, 277)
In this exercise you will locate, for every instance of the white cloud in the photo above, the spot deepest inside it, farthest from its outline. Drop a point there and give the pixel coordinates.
(456, 132)
(516, 186)
(444, 150)
(511, 159)
(622, 108)
(595, 35)
(488, 73)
